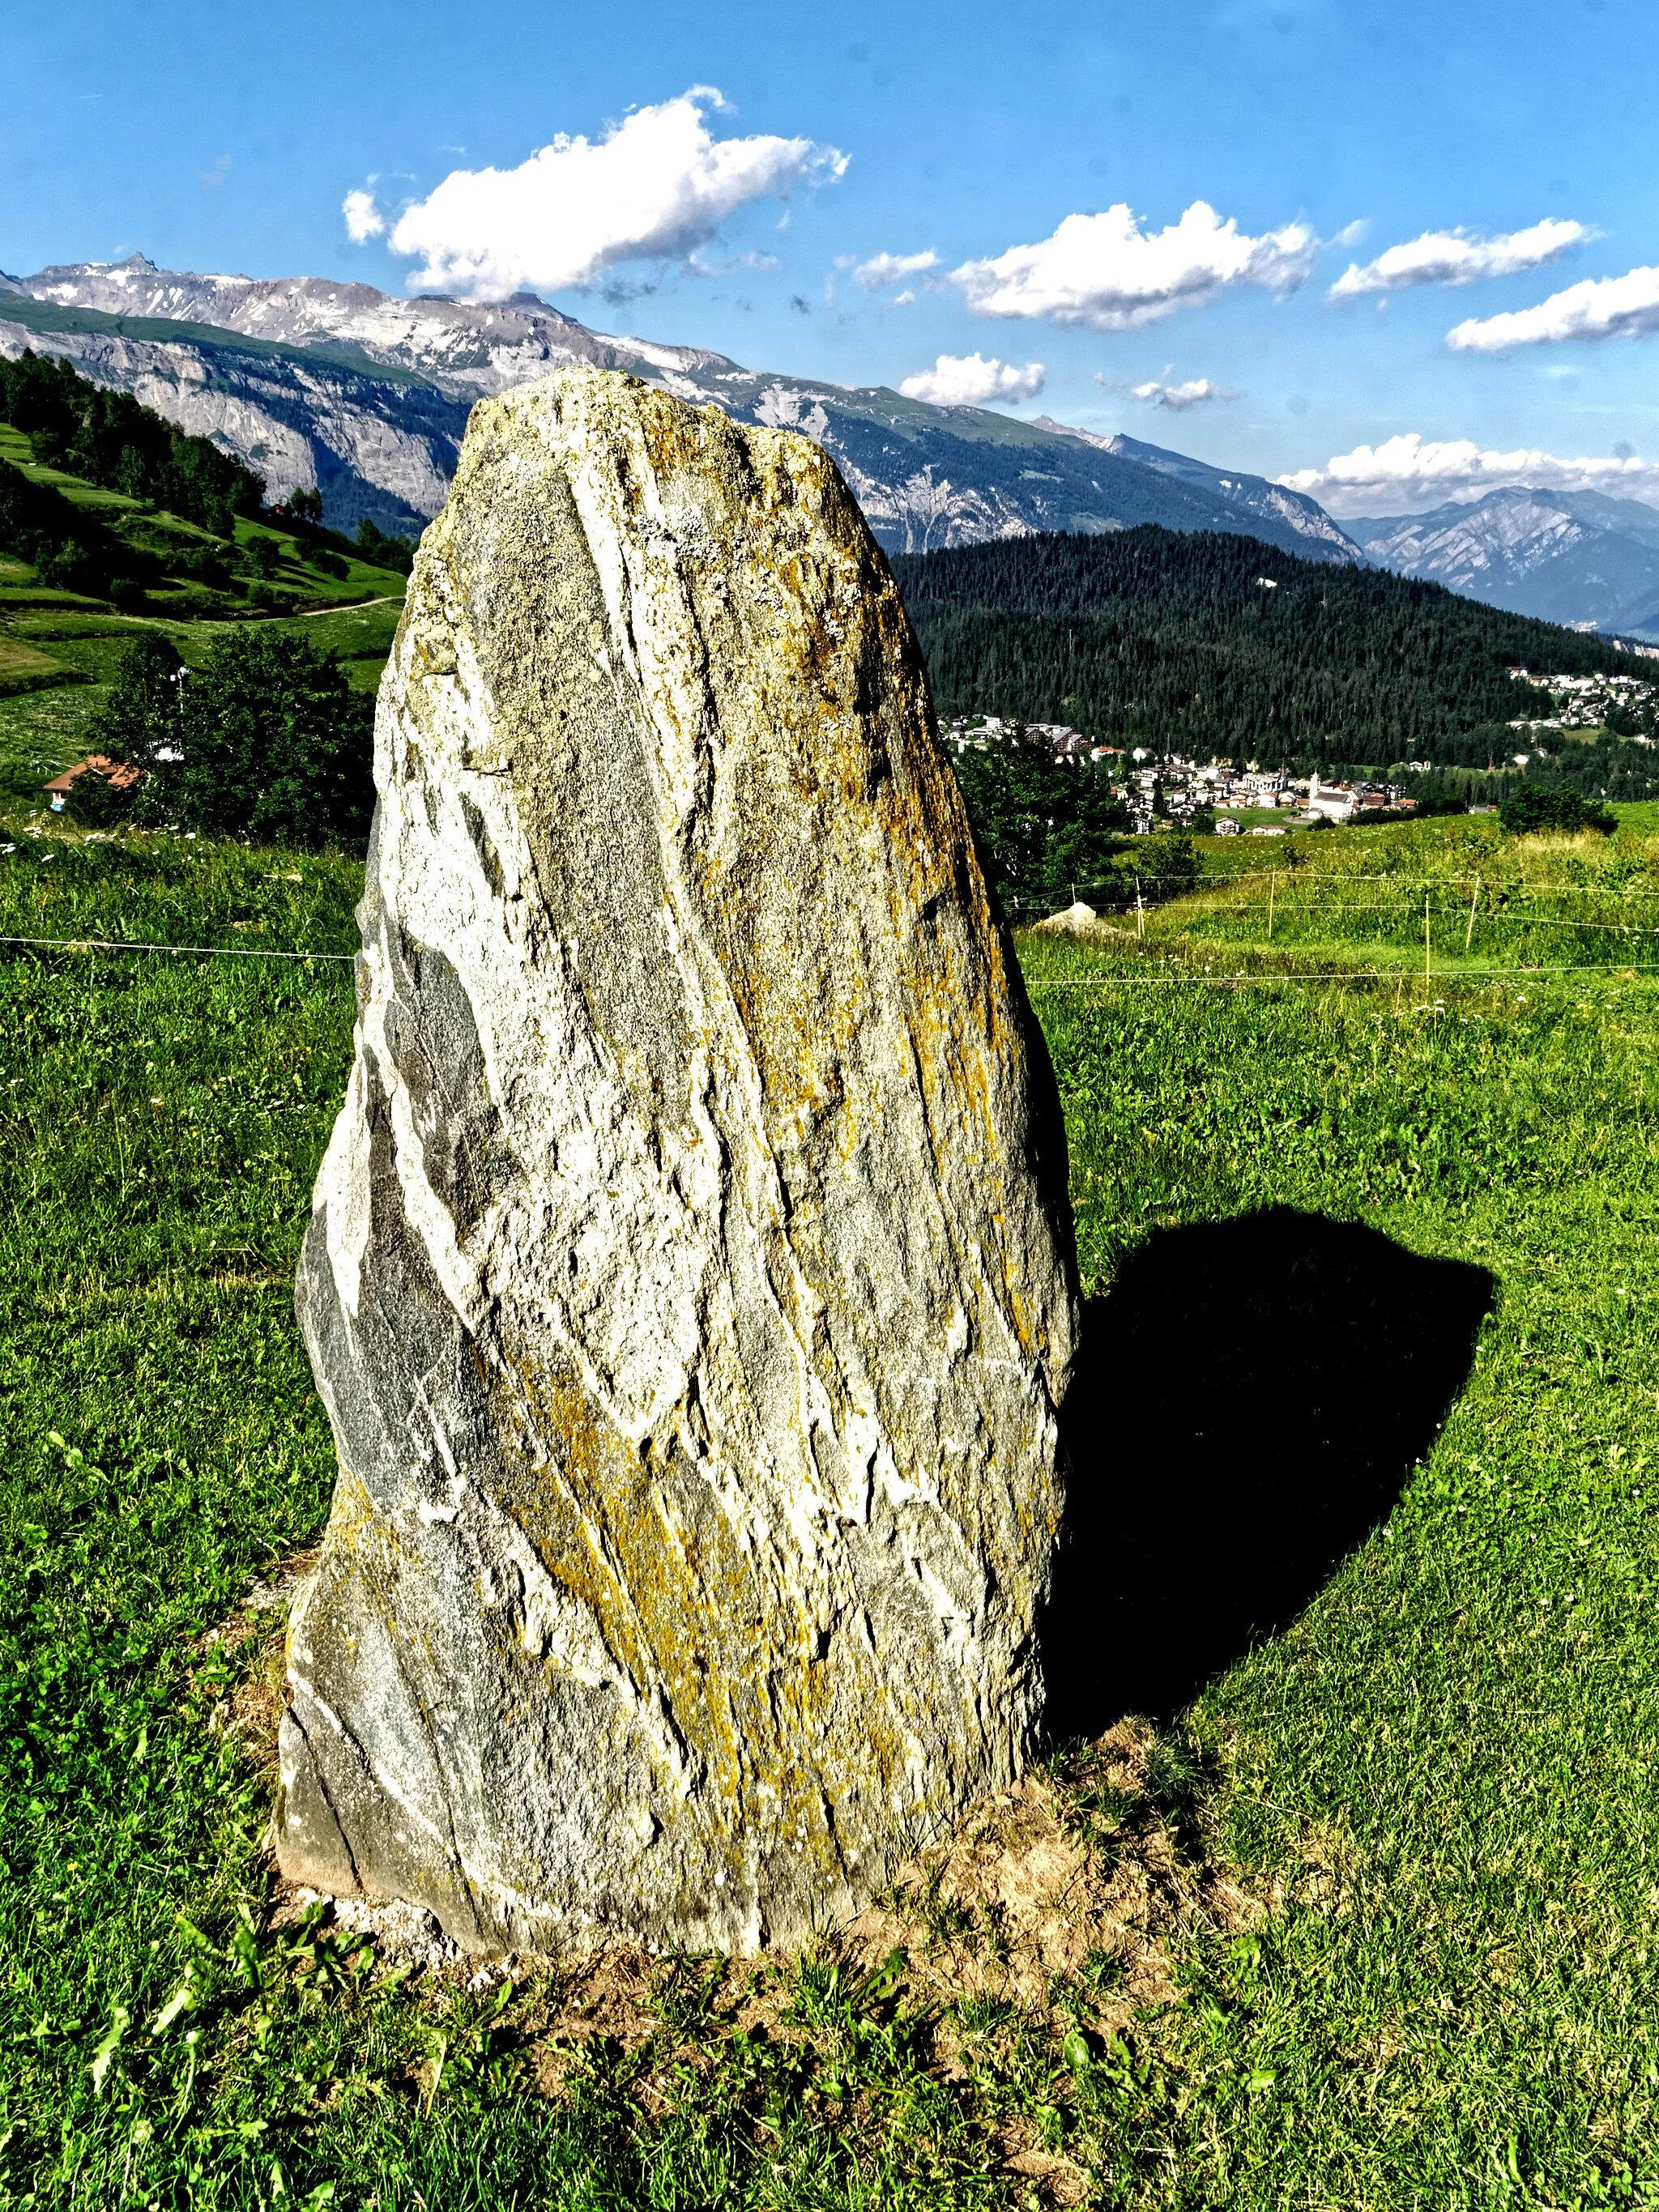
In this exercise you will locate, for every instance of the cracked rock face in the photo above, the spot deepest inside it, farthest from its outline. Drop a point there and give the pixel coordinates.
(691, 1282)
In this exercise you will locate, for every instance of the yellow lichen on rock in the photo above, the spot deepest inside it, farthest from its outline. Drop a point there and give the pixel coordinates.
(690, 1281)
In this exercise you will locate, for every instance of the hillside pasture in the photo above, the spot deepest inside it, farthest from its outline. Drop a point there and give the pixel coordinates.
(1363, 1528)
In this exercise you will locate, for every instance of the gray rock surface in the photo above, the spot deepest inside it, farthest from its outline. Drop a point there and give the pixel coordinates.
(1571, 556)
(691, 1283)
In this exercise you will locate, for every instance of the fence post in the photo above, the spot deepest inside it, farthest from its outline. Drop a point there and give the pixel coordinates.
(1272, 892)
(1468, 934)
(1425, 937)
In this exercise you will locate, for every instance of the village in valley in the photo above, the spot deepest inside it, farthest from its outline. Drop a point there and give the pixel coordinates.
(1168, 789)
(1590, 702)
(1171, 789)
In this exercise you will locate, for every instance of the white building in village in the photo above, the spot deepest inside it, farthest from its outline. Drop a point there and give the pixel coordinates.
(1336, 801)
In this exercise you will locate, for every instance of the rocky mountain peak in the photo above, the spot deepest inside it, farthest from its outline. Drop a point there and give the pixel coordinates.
(372, 415)
(1571, 556)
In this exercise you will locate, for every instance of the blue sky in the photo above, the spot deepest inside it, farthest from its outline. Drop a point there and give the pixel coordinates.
(1321, 132)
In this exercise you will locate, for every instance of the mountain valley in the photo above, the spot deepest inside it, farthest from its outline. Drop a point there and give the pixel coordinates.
(365, 396)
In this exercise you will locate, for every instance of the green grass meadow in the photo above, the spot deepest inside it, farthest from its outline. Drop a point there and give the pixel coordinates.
(60, 652)
(1436, 1773)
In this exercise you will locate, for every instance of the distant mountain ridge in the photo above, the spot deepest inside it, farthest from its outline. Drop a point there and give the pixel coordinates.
(366, 396)
(1257, 496)
(312, 381)
(466, 348)
(1578, 557)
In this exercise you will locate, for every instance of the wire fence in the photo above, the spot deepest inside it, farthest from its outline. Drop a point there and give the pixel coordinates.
(1108, 979)
(1103, 979)
(129, 945)
(1279, 914)
(1291, 902)
(1157, 891)
(1287, 911)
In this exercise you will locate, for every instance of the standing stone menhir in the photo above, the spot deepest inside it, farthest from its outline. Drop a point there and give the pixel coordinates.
(690, 1284)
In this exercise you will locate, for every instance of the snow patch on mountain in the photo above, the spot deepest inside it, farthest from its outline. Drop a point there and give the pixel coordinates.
(781, 407)
(317, 382)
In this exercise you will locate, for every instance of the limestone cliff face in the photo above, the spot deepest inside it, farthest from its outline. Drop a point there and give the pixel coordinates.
(375, 447)
(691, 1282)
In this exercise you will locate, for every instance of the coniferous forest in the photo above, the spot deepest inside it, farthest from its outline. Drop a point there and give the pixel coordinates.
(1223, 646)
(109, 439)
(126, 547)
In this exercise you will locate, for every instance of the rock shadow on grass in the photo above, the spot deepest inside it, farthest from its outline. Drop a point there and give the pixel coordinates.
(1251, 1398)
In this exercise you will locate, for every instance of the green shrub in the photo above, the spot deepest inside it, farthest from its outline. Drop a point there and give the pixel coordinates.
(1165, 865)
(374, 544)
(94, 803)
(145, 716)
(1553, 806)
(206, 566)
(1042, 824)
(269, 741)
(69, 548)
(263, 555)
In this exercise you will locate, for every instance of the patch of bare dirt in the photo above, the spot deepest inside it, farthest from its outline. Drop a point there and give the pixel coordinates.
(1055, 1907)
(403, 1934)
(1058, 1895)
(1060, 1886)
(237, 1668)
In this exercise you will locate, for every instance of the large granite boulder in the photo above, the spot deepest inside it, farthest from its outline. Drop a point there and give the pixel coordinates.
(691, 1283)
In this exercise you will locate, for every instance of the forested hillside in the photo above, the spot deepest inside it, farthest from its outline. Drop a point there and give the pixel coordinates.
(1213, 645)
(110, 440)
(65, 545)
(103, 499)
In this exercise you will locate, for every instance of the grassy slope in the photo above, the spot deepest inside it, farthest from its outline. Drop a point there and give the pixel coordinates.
(59, 652)
(47, 724)
(1450, 1759)
(1442, 1772)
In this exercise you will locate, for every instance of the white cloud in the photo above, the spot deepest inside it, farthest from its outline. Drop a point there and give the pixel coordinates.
(363, 220)
(969, 381)
(882, 269)
(1601, 307)
(655, 187)
(1407, 473)
(1460, 256)
(1106, 271)
(700, 263)
(1179, 397)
